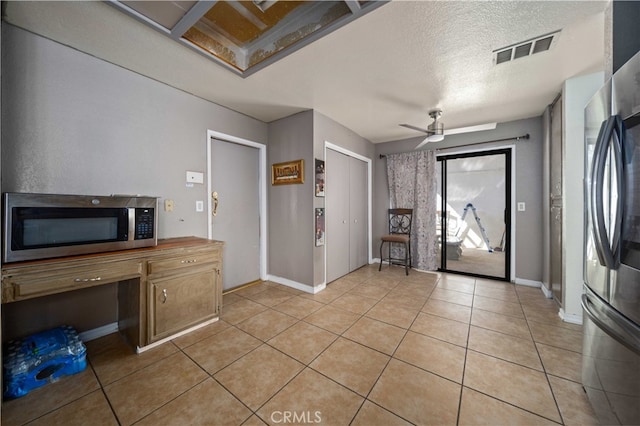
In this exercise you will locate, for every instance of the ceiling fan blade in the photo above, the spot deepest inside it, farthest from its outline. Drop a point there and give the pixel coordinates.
(469, 129)
(409, 126)
(421, 144)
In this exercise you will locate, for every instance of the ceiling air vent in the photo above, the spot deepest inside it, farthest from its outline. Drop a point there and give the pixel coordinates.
(525, 48)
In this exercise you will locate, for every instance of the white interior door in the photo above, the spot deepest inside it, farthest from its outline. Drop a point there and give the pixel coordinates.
(235, 180)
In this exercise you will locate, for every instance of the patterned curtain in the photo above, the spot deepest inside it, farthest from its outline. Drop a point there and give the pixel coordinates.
(413, 184)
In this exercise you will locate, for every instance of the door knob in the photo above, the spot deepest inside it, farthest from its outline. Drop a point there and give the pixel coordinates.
(214, 197)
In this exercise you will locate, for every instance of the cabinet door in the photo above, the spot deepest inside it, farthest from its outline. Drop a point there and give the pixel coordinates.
(182, 301)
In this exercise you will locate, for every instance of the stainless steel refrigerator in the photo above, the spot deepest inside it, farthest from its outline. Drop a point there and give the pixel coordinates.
(611, 299)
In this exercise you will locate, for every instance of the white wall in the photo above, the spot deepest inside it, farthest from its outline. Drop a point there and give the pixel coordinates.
(576, 93)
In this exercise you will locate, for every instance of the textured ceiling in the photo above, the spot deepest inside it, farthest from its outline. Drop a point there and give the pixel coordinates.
(391, 66)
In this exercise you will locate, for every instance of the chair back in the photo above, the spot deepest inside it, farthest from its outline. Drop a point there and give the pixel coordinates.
(400, 221)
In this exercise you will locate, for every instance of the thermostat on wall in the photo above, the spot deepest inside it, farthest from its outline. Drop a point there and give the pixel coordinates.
(195, 177)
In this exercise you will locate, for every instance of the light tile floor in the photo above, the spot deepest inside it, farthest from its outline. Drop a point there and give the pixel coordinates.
(374, 348)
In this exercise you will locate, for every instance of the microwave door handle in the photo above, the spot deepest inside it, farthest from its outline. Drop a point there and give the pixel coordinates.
(618, 144)
(601, 239)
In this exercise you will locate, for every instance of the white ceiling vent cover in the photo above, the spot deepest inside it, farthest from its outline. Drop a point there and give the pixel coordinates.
(525, 48)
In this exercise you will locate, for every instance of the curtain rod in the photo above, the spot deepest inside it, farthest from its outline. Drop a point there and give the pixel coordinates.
(516, 138)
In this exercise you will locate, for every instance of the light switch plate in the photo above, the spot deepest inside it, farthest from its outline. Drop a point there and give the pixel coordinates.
(168, 205)
(199, 206)
(521, 206)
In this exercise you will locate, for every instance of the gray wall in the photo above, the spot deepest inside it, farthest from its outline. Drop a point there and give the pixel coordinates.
(79, 125)
(291, 215)
(292, 251)
(73, 123)
(328, 130)
(528, 186)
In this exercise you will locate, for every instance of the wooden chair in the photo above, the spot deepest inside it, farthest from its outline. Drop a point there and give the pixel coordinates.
(399, 233)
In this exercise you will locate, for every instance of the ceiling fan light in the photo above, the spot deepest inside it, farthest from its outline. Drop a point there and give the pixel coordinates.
(435, 137)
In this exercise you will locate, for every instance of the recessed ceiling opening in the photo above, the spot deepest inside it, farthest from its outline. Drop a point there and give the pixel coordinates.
(246, 36)
(525, 48)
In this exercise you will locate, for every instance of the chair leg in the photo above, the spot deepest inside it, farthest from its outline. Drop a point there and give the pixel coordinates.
(380, 267)
(406, 259)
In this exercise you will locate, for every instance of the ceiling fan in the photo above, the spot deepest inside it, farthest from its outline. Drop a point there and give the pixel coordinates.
(436, 132)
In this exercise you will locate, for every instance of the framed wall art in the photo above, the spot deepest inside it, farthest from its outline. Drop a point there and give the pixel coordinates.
(287, 173)
(319, 178)
(319, 226)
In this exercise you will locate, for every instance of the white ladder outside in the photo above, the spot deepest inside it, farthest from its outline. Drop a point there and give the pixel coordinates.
(482, 230)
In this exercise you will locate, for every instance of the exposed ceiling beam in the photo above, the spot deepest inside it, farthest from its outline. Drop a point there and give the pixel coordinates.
(191, 17)
(354, 5)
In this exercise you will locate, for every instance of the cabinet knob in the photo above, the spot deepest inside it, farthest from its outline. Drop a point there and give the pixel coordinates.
(189, 261)
(164, 295)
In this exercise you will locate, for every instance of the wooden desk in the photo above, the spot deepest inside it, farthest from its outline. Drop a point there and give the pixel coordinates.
(162, 290)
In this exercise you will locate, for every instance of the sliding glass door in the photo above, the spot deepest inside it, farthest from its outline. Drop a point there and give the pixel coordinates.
(473, 220)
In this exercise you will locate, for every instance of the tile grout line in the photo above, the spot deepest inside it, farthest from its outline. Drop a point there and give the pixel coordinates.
(544, 368)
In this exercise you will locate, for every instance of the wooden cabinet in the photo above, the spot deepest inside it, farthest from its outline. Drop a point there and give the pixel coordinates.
(183, 291)
(162, 290)
(35, 281)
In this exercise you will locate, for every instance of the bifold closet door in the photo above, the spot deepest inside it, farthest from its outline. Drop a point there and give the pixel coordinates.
(358, 253)
(346, 214)
(337, 214)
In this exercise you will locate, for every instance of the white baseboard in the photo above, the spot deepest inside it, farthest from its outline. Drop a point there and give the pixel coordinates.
(570, 318)
(547, 293)
(528, 283)
(174, 336)
(297, 285)
(537, 284)
(87, 336)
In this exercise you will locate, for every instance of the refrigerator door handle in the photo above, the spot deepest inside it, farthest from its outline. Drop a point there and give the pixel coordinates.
(612, 323)
(601, 238)
(618, 142)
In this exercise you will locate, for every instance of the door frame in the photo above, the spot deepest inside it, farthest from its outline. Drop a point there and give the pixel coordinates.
(329, 145)
(262, 189)
(512, 195)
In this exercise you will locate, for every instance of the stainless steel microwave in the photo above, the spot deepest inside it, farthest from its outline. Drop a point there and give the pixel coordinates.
(40, 226)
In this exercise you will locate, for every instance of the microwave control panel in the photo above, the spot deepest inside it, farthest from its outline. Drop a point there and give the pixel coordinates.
(144, 223)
